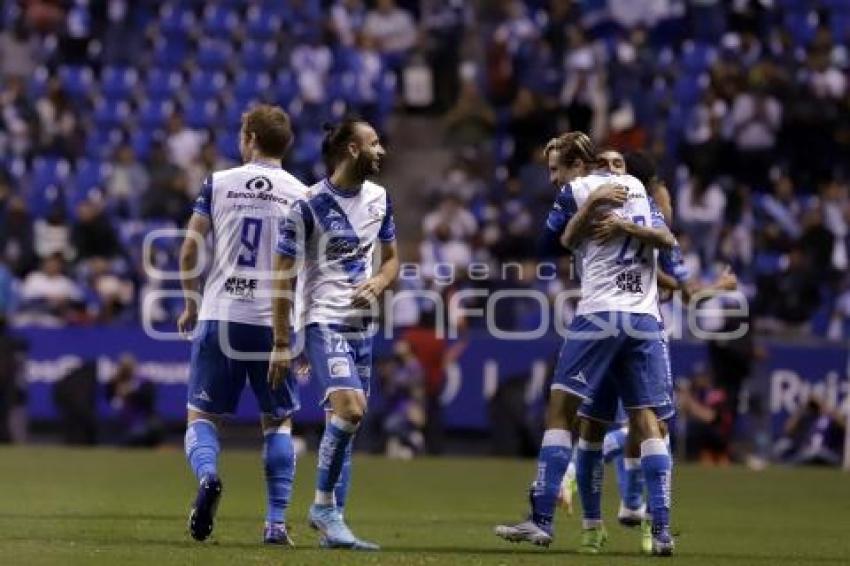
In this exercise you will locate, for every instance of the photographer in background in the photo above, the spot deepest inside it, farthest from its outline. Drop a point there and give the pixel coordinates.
(813, 435)
(134, 401)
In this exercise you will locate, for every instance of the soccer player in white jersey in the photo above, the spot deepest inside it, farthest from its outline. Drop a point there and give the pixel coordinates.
(334, 232)
(617, 326)
(241, 208)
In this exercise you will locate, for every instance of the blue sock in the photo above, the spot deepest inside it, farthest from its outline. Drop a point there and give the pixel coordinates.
(657, 466)
(612, 451)
(552, 462)
(635, 484)
(335, 443)
(342, 485)
(590, 470)
(279, 466)
(201, 444)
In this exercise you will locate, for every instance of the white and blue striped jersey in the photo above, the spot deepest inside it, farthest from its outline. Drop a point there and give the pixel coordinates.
(619, 275)
(245, 205)
(334, 233)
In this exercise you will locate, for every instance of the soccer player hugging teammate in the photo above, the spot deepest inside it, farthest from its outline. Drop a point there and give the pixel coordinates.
(333, 233)
(241, 208)
(615, 346)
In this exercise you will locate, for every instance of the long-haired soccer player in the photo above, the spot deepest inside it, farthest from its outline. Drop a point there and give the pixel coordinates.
(241, 208)
(334, 232)
(618, 324)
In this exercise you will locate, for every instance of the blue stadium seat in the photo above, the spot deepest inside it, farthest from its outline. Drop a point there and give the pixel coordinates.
(207, 84)
(37, 86)
(263, 23)
(258, 55)
(118, 82)
(153, 113)
(285, 88)
(77, 81)
(219, 20)
(232, 114)
(42, 200)
(227, 142)
(176, 20)
(162, 84)
(101, 141)
(802, 25)
(109, 113)
(697, 57)
(142, 139)
(170, 52)
(689, 88)
(840, 25)
(214, 55)
(251, 86)
(201, 115)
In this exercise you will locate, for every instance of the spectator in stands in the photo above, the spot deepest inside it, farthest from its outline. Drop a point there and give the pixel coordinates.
(516, 27)
(184, 143)
(531, 126)
(789, 299)
(207, 162)
(394, 30)
(817, 244)
(48, 296)
(755, 121)
(18, 119)
(782, 206)
(75, 40)
(835, 204)
(704, 145)
(17, 241)
(709, 418)
(314, 60)
(347, 18)
(134, 401)
(471, 121)
(18, 51)
(93, 235)
(13, 397)
(583, 96)
(404, 411)
(53, 234)
(126, 183)
(7, 290)
(167, 196)
(444, 23)
(813, 435)
(108, 295)
(60, 132)
(700, 211)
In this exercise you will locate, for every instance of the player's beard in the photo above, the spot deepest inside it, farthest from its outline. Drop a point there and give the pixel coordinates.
(366, 166)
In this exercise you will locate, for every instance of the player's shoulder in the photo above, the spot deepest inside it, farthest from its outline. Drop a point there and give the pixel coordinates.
(631, 182)
(372, 190)
(289, 181)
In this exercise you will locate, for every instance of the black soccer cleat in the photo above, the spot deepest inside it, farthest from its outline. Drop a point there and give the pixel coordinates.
(202, 516)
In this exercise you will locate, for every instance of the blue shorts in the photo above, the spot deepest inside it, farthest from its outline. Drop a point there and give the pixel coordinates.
(617, 355)
(340, 357)
(216, 379)
(606, 407)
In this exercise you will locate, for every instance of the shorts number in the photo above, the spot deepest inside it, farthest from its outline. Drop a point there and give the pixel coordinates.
(624, 258)
(252, 228)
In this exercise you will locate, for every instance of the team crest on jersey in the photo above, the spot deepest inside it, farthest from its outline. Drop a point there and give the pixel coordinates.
(241, 287)
(259, 183)
(339, 367)
(375, 211)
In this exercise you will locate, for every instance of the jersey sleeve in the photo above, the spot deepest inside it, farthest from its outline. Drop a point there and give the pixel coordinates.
(673, 264)
(655, 214)
(563, 209)
(294, 230)
(203, 204)
(387, 230)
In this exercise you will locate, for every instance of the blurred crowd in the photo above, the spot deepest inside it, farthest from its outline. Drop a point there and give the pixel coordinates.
(112, 113)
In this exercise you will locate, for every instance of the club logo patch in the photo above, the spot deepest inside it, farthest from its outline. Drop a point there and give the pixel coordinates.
(260, 183)
(339, 367)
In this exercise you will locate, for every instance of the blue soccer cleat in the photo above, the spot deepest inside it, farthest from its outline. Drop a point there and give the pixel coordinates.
(276, 533)
(335, 533)
(202, 516)
(662, 540)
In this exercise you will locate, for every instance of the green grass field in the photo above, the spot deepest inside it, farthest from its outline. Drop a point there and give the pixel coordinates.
(60, 506)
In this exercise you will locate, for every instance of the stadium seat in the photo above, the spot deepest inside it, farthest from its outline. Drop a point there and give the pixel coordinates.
(101, 141)
(170, 52)
(202, 115)
(37, 86)
(110, 113)
(697, 57)
(161, 84)
(207, 84)
(153, 113)
(258, 56)
(77, 81)
(227, 142)
(118, 82)
(250, 86)
(219, 20)
(262, 24)
(214, 55)
(285, 88)
(141, 141)
(176, 21)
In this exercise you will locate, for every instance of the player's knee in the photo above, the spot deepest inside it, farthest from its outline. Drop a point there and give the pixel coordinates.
(644, 424)
(591, 431)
